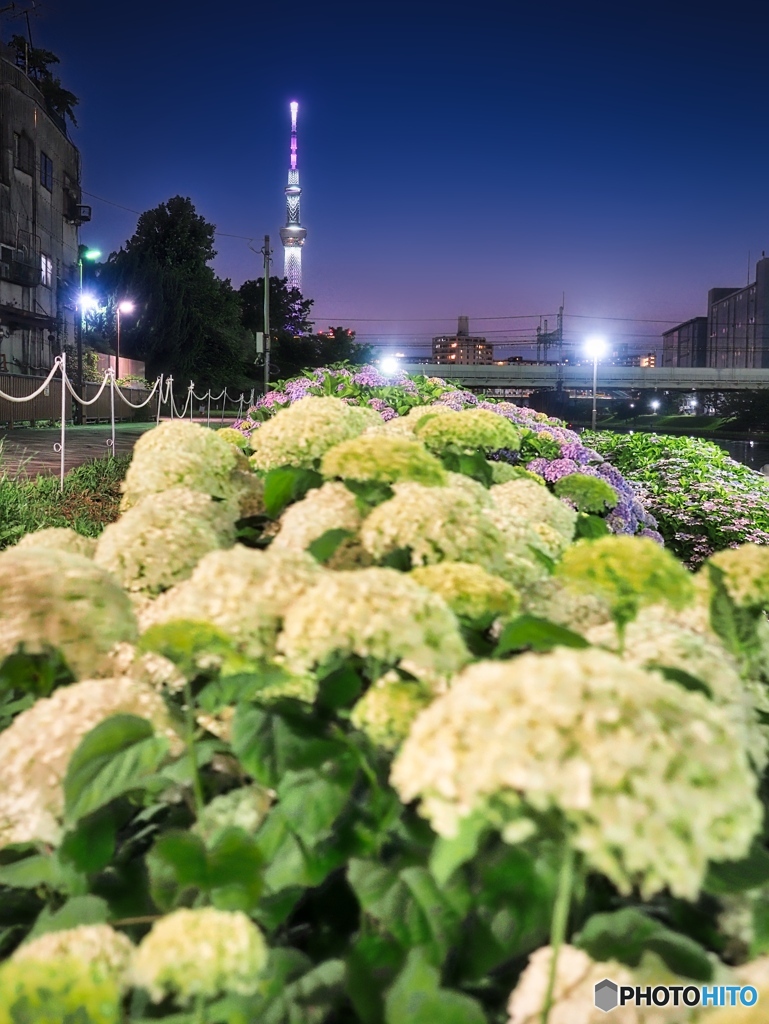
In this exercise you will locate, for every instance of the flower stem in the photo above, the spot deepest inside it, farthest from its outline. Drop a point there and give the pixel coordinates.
(558, 923)
(189, 714)
(200, 1010)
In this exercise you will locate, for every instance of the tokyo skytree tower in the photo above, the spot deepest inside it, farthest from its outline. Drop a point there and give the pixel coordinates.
(293, 234)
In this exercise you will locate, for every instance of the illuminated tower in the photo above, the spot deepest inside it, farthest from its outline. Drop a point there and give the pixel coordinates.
(293, 234)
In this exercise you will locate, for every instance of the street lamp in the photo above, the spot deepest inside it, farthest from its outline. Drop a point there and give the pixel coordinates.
(122, 307)
(389, 365)
(655, 406)
(83, 253)
(595, 348)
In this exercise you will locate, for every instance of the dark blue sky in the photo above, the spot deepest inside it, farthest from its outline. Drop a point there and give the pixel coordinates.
(481, 159)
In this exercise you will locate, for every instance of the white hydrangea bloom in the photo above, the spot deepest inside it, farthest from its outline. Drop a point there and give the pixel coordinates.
(377, 614)
(55, 599)
(653, 640)
(158, 541)
(303, 432)
(554, 600)
(59, 538)
(243, 808)
(576, 976)
(746, 574)
(652, 780)
(243, 592)
(330, 507)
(178, 453)
(36, 748)
(200, 953)
(437, 524)
(97, 945)
(147, 668)
(526, 501)
(472, 488)
(406, 425)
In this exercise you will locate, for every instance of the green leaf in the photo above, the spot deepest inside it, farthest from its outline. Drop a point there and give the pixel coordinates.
(234, 871)
(185, 854)
(372, 963)
(311, 800)
(186, 641)
(339, 689)
(268, 743)
(415, 998)
(590, 527)
(530, 632)
(682, 678)
(118, 756)
(449, 854)
(39, 673)
(369, 493)
(76, 911)
(323, 547)
(399, 559)
(90, 845)
(30, 872)
(741, 875)
(287, 484)
(627, 934)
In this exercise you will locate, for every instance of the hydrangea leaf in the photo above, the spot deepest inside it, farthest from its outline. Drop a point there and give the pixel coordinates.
(119, 755)
(591, 526)
(76, 911)
(415, 998)
(286, 484)
(38, 673)
(91, 844)
(527, 632)
(627, 934)
(268, 744)
(325, 546)
(739, 876)
(450, 854)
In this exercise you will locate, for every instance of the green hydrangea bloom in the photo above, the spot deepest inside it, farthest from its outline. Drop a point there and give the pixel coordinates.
(243, 808)
(650, 781)
(503, 473)
(527, 502)
(159, 541)
(56, 991)
(406, 425)
(182, 454)
(200, 953)
(95, 945)
(384, 459)
(232, 436)
(387, 709)
(627, 572)
(51, 598)
(589, 493)
(302, 433)
(471, 428)
(470, 591)
(59, 538)
(745, 575)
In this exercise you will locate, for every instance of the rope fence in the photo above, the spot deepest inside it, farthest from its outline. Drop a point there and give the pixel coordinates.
(162, 390)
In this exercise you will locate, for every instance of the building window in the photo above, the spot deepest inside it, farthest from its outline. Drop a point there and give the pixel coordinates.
(46, 271)
(46, 171)
(23, 152)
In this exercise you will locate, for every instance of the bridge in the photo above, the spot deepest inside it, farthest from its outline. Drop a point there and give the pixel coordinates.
(620, 378)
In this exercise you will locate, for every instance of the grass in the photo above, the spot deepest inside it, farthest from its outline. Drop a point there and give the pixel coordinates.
(90, 500)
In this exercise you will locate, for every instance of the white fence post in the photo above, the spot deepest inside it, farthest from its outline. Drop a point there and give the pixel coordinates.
(111, 441)
(63, 417)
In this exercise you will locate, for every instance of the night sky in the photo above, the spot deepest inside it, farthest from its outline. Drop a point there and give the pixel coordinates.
(481, 162)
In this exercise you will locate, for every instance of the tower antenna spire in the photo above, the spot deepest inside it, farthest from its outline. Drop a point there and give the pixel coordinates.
(293, 234)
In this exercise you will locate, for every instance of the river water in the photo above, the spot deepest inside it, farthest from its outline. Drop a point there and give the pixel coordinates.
(751, 453)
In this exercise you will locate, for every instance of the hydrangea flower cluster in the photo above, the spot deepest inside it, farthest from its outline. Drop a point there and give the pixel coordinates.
(59, 538)
(379, 615)
(475, 428)
(651, 780)
(200, 953)
(471, 592)
(50, 598)
(159, 540)
(384, 459)
(95, 945)
(36, 748)
(388, 708)
(302, 433)
(52, 991)
(330, 507)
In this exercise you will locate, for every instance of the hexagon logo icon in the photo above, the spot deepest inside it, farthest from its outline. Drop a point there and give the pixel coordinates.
(606, 993)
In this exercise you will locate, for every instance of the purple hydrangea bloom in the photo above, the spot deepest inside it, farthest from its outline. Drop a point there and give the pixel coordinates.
(296, 389)
(652, 535)
(273, 398)
(555, 469)
(579, 453)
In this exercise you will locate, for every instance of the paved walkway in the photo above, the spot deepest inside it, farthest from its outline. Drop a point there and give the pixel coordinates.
(30, 452)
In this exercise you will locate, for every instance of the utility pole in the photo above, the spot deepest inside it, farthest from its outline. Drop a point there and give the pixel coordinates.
(266, 252)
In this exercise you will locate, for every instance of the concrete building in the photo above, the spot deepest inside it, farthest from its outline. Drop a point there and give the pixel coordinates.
(40, 212)
(686, 344)
(738, 324)
(462, 348)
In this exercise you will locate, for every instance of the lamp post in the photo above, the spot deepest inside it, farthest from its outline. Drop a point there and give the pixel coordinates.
(655, 406)
(122, 307)
(595, 347)
(83, 253)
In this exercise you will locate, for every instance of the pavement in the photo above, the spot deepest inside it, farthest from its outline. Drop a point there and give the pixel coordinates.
(30, 452)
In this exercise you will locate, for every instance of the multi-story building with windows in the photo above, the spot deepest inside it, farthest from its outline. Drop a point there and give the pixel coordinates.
(40, 212)
(461, 348)
(686, 344)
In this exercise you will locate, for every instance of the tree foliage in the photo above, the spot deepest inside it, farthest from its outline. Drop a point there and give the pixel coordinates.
(36, 63)
(186, 320)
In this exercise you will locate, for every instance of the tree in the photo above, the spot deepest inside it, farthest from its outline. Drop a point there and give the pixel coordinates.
(187, 320)
(36, 64)
(289, 312)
